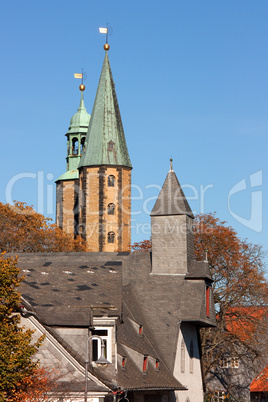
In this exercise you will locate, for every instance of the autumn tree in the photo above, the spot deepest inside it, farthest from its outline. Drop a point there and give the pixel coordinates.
(20, 376)
(241, 298)
(24, 230)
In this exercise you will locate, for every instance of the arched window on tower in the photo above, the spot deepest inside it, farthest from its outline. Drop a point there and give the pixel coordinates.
(74, 146)
(111, 208)
(82, 145)
(111, 180)
(111, 236)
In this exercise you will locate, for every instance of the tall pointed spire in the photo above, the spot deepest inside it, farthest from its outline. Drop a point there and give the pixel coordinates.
(171, 200)
(105, 142)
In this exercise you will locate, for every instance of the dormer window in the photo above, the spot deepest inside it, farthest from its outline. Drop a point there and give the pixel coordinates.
(140, 330)
(111, 236)
(124, 360)
(111, 208)
(157, 365)
(111, 180)
(145, 364)
(96, 343)
(110, 145)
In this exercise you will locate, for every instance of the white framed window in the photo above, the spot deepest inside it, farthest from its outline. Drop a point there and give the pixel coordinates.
(234, 362)
(105, 334)
(224, 362)
(230, 362)
(218, 396)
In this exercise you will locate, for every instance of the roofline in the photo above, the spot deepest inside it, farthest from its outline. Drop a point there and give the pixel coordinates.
(180, 214)
(105, 164)
(181, 388)
(38, 325)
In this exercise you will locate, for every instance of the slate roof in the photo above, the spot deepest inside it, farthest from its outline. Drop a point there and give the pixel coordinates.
(105, 126)
(62, 288)
(171, 200)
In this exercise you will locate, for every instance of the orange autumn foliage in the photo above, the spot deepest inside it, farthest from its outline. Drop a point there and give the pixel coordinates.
(19, 374)
(24, 230)
(34, 387)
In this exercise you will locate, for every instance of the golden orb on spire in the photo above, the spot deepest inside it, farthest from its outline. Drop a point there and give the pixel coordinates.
(106, 46)
(82, 87)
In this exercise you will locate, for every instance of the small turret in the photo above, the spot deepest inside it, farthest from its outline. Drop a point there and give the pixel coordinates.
(67, 183)
(172, 235)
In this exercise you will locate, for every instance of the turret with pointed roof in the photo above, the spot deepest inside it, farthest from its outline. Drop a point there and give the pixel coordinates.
(67, 183)
(105, 173)
(172, 235)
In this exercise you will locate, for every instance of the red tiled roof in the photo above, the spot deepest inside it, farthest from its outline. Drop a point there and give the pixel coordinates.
(260, 383)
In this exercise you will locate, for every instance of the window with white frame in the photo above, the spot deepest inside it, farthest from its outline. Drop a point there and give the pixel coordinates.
(229, 362)
(218, 396)
(105, 334)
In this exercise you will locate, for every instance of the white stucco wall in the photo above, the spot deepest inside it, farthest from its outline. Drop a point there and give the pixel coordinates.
(191, 380)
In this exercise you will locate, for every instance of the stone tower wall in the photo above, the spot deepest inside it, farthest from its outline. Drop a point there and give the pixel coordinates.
(66, 205)
(95, 195)
(172, 244)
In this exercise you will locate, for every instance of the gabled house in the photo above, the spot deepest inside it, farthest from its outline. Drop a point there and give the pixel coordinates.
(244, 358)
(117, 323)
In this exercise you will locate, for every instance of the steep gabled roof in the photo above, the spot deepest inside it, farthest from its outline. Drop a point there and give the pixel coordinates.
(171, 200)
(105, 126)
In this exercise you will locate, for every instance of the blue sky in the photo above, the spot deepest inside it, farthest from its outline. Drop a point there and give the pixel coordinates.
(192, 83)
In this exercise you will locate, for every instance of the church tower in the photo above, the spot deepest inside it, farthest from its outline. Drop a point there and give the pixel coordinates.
(94, 194)
(67, 185)
(105, 173)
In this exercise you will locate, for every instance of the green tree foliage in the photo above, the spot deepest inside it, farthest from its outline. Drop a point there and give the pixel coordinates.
(16, 347)
(24, 230)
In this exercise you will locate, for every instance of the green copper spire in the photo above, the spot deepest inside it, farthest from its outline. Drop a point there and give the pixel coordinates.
(76, 137)
(105, 141)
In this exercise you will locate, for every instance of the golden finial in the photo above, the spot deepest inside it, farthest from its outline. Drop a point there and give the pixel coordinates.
(83, 77)
(171, 164)
(108, 31)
